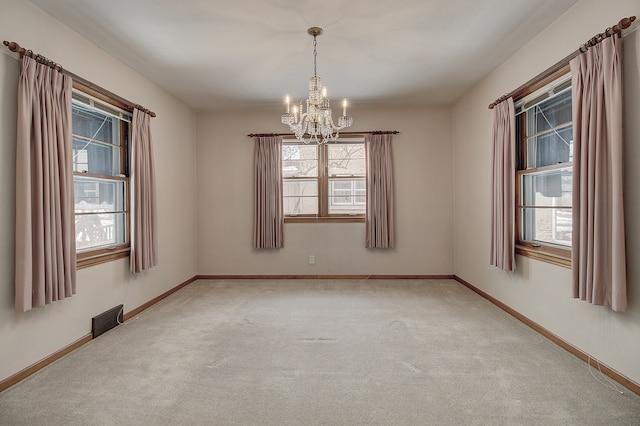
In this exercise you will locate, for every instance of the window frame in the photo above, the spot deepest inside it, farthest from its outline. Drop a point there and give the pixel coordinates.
(103, 254)
(547, 252)
(323, 215)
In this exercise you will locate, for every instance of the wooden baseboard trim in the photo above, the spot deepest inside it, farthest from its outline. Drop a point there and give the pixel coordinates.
(12, 380)
(21, 375)
(325, 277)
(136, 311)
(613, 374)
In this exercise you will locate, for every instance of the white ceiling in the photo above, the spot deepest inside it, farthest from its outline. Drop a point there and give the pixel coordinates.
(221, 54)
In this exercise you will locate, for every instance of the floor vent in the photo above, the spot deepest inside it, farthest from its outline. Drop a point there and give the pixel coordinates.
(106, 321)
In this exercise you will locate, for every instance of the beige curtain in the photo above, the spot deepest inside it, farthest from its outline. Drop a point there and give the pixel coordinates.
(268, 220)
(503, 186)
(379, 223)
(598, 245)
(144, 227)
(45, 264)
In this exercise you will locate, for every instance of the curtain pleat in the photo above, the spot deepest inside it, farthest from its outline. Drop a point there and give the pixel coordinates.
(598, 240)
(45, 264)
(503, 186)
(268, 224)
(379, 226)
(144, 227)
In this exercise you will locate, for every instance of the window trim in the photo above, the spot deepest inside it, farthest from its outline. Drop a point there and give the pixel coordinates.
(550, 253)
(104, 254)
(323, 177)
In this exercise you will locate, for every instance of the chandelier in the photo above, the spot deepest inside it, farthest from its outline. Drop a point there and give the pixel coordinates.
(317, 121)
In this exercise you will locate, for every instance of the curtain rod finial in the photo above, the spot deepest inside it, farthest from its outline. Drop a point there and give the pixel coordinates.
(13, 46)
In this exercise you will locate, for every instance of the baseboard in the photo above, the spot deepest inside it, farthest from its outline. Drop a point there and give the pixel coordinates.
(613, 374)
(325, 277)
(21, 375)
(136, 311)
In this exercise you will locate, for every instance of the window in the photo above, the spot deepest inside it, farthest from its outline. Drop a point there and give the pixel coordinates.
(324, 182)
(544, 137)
(100, 178)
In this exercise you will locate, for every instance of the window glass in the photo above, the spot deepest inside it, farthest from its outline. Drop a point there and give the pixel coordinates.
(550, 148)
(347, 196)
(545, 154)
(299, 160)
(300, 196)
(548, 188)
(95, 157)
(93, 124)
(550, 113)
(548, 225)
(346, 159)
(101, 184)
(324, 181)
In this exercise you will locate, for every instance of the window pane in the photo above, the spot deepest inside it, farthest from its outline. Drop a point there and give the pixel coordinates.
(550, 113)
(99, 195)
(97, 230)
(300, 196)
(547, 225)
(347, 196)
(346, 159)
(299, 160)
(95, 125)
(550, 148)
(550, 188)
(95, 157)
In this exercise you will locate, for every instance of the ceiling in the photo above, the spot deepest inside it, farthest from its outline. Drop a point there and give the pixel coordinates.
(229, 54)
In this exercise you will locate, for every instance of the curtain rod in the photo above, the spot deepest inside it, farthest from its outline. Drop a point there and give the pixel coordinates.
(563, 63)
(371, 132)
(15, 47)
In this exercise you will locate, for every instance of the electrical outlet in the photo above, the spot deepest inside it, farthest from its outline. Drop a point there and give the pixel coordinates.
(312, 259)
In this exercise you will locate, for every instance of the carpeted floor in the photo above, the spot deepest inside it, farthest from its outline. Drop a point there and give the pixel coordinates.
(319, 352)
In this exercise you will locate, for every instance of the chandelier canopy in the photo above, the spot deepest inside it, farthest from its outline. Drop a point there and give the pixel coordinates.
(316, 123)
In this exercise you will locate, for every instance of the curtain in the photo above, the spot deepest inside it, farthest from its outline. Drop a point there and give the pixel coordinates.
(144, 226)
(379, 222)
(268, 220)
(598, 244)
(503, 186)
(45, 264)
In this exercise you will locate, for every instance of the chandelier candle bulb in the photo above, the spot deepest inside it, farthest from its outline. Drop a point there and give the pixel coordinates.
(344, 107)
(287, 101)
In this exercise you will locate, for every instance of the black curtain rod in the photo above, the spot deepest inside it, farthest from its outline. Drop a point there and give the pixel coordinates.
(371, 132)
(15, 47)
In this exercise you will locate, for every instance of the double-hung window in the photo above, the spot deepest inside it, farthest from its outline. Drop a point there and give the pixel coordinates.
(101, 179)
(544, 139)
(324, 182)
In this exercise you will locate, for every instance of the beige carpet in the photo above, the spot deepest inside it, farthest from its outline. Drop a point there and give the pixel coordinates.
(319, 352)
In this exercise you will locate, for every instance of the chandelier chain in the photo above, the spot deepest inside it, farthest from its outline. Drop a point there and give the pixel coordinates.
(315, 57)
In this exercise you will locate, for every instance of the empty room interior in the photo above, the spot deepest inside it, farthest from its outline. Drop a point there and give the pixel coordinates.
(432, 249)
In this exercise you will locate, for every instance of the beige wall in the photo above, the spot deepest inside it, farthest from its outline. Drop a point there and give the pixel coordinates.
(27, 338)
(539, 290)
(441, 161)
(422, 160)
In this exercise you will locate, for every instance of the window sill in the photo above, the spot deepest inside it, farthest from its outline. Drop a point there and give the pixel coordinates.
(84, 260)
(544, 254)
(326, 219)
